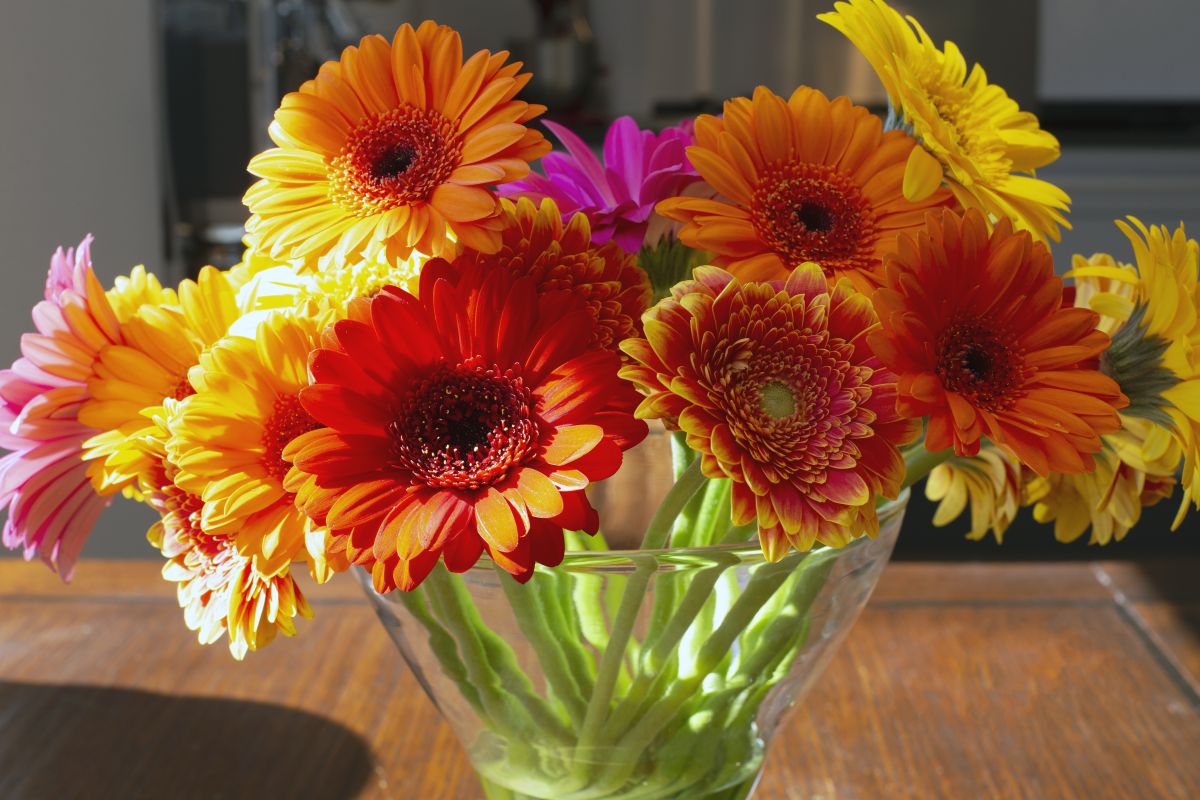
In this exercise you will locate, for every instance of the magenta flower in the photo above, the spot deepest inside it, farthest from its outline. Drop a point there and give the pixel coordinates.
(44, 484)
(617, 196)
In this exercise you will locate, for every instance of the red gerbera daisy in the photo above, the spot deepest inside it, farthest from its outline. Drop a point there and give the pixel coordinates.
(470, 419)
(974, 325)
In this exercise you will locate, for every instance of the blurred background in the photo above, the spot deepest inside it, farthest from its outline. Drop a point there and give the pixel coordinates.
(133, 120)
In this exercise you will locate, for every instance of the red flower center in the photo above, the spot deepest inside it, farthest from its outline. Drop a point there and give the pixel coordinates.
(465, 426)
(287, 421)
(394, 159)
(974, 361)
(183, 389)
(811, 212)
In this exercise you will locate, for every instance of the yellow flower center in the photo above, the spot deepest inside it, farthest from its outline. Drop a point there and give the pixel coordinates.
(778, 400)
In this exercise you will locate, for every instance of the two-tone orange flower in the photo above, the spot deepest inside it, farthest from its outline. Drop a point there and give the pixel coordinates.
(469, 419)
(802, 179)
(775, 387)
(561, 257)
(975, 326)
(393, 148)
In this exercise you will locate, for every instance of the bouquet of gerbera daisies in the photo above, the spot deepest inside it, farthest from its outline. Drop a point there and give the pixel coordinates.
(431, 358)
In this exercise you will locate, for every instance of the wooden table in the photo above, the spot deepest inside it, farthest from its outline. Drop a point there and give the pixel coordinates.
(959, 681)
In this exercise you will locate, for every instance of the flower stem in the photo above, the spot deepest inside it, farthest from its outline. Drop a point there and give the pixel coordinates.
(658, 532)
(919, 462)
(548, 641)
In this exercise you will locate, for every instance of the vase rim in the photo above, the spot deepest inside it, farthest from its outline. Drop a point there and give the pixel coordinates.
(742, 551)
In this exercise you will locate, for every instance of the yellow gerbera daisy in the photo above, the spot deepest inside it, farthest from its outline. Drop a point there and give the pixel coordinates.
(219, 589)
(391, 149)
(1110, 499)
(283, 286)
(990, 482)
(228, 438)
(975, 136)
(1155, 353)
(163, 336)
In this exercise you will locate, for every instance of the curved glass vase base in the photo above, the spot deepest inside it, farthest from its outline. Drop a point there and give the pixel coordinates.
(651, 675)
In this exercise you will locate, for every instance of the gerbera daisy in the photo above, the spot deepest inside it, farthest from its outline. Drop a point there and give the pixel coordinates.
(560, 256)
(469, 419)
(281, 286)
(990, 482)
(219, 589)
(802, 179)
(44, 482)
(775, 387)
(1155, 354)
(974, 324)
(391, 149)
(228, 438)
(973, 136)
(618, 195)
(1109, 500)
(161, 341)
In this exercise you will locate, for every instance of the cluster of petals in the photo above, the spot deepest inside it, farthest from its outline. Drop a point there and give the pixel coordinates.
(774, 385)
(469, 418)
(974, 323)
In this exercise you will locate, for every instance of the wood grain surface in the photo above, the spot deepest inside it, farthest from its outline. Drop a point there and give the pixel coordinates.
(959, 681)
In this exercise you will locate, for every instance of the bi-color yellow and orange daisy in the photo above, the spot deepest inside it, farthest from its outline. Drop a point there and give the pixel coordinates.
(393, 148)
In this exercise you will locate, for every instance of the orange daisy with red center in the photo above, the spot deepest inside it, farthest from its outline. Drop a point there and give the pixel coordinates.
(775, 387)
(468, 420)
(799, 180)
(975, 325)
(394, 148)
(561, 258)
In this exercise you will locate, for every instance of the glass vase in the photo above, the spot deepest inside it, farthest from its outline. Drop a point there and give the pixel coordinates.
(631, 674)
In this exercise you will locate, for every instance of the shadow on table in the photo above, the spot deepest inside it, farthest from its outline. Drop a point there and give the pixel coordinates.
(86, 741)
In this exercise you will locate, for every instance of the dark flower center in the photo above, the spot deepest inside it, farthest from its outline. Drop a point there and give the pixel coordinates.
(288, 420)
(465, 426)
(394, 162)
(974, 361)
(814, 217)
(394, 159)
(811, 212)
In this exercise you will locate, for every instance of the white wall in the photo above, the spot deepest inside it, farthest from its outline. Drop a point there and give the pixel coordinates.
(78, 154)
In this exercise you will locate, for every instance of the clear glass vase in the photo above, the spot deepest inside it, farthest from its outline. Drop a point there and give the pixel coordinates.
(631, 674)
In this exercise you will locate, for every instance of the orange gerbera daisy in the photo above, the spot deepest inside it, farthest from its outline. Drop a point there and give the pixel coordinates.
(561, 257)
(391, 149)
(470, 419)
(775, 387)
(804, 179)
(975, 326)
(228, 437)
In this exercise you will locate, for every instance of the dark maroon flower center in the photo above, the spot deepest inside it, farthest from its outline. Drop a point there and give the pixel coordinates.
(810, 212)
(975, 361)
(287, 421)
(394, 159)
(465, 426)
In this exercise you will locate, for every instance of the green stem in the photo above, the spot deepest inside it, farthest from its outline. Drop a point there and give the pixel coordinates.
(442, 645)
(919, 462)
(546, 640)
(658, 532)
(764, 583)
(505, 691)
(657, 652)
